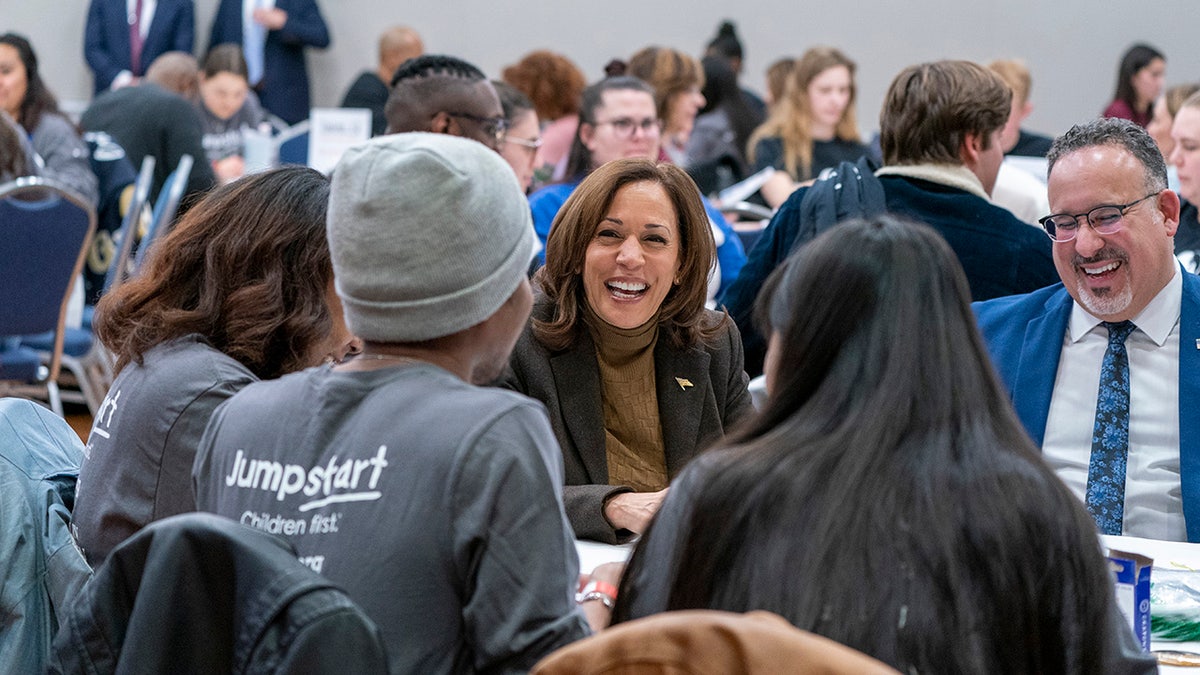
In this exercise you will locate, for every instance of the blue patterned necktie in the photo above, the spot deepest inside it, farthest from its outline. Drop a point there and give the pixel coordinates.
(1110, 434)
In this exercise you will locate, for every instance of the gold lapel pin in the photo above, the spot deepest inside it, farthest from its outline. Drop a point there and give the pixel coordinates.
(684, 383)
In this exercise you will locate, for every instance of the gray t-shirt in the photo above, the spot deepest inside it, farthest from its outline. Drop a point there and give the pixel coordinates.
(223, 138)
(63, 156)
(435, 504)
(137, 466)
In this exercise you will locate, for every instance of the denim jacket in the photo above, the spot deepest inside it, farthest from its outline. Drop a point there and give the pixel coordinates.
(41, 569)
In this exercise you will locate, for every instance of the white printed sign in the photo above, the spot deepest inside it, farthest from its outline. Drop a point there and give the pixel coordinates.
(332, 132)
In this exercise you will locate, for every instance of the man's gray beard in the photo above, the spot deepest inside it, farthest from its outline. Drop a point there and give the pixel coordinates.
(1113, 301)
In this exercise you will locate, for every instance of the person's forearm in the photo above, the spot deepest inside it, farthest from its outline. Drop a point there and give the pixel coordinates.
(598, 616)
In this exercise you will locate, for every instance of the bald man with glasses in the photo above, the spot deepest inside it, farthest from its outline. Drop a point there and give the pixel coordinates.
(1104, 368)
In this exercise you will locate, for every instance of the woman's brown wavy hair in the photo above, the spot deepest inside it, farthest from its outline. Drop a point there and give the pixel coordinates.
(247, 268)
(682, 316)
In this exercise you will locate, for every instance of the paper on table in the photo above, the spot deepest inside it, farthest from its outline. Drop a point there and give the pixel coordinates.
(593, 553)
(740, 191)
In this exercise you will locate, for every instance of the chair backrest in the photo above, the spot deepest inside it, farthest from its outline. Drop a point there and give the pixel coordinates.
(118, 269)
(696, 642)
(294, 150)
(199, 593)
(45, 230)
(166, 207)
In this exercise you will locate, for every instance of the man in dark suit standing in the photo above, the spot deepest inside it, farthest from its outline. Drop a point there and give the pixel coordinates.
(273, 35)
(1104, 368)
(123, 37)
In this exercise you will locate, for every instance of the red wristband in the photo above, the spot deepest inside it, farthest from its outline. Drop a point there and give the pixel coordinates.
(598, 586)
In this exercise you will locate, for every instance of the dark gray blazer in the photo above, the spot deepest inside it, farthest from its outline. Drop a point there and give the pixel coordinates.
(568, 384)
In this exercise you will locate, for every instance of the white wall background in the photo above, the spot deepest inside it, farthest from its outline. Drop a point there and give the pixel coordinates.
(1072, 46)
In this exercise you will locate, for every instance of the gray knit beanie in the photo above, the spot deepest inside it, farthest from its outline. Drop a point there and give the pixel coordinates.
(430, 234)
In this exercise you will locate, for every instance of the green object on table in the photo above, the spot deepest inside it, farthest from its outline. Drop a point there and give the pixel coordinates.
(1174, 628)
(1175, 604)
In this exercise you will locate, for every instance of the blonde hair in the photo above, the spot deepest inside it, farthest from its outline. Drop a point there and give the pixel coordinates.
(777, 77)
(1182, 96)
(1016, 75)
(791, 119)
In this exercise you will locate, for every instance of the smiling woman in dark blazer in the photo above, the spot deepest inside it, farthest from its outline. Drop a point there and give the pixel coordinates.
(636, 374)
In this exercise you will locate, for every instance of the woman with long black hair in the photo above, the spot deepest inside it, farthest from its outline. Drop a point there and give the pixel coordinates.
(887, 496)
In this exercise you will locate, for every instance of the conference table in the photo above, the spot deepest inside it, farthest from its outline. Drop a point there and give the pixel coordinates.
(1166, 554)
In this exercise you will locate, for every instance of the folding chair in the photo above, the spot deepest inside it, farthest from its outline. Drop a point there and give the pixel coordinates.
(45, 230)
(294, 150)
(82, 355)
(165, 208)
(119, 270)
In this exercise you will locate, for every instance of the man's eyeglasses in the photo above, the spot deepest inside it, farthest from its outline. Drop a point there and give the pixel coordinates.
(532, 144)
(494, 127)
(623, 126)
(1104, 220)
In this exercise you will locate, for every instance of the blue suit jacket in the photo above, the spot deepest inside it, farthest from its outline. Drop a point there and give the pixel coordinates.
(284, 87)
(106, 36)
(1024, 334)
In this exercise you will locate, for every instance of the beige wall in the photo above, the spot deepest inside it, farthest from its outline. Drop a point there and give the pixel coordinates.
(1072, 46)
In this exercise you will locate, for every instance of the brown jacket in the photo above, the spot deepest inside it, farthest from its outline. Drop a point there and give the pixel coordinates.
(698, 642)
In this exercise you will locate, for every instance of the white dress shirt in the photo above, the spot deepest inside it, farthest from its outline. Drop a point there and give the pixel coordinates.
(125, 77)
(1021, 193)
(248, 7)
(248, 26)
(1153, 501)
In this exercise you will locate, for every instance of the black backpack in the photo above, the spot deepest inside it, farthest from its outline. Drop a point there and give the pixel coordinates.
(850, 190)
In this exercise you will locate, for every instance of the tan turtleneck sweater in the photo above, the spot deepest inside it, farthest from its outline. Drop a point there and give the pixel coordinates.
(633, 432)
